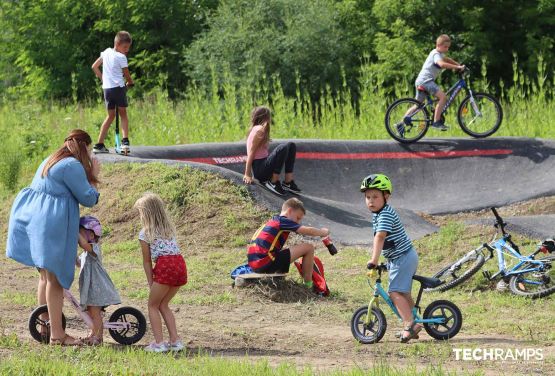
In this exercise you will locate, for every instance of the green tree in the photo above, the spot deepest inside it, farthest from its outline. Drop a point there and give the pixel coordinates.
(257, 39)
(54, 42)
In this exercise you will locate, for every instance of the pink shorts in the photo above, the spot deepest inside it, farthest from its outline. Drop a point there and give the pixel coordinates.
(170, 270)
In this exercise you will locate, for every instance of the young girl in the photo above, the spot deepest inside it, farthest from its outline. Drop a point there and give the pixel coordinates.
(96, 289)
(158, 244)
(265, 166)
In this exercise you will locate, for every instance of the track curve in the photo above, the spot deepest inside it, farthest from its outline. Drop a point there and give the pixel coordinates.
(435, 176)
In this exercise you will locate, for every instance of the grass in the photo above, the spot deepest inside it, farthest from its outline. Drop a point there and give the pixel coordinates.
(218, 320)
(106, 360)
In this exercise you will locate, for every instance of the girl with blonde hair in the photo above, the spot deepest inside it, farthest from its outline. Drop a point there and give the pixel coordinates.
(159, 246)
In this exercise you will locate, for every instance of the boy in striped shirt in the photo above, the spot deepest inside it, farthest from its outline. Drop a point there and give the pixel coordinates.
(391, 239)
(266, 253)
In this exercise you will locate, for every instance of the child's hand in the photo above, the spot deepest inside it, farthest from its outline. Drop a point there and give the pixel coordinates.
(325, 232)
(370, 265)
(247, 179)
(461, 68)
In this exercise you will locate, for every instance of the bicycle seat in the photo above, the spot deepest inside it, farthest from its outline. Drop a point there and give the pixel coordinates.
(421, 88)
(427, 282)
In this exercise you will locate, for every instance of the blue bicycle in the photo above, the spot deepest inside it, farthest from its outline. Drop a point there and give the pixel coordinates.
(529, 277)
(479, 115)
(442, 319)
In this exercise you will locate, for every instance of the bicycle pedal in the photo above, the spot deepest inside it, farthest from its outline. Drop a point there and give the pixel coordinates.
(486, 274)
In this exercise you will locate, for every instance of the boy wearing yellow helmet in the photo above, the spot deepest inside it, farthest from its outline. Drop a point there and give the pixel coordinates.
(391, 238)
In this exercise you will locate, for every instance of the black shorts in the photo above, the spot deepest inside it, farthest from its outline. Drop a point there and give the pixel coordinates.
(115, 96)
(280, 264)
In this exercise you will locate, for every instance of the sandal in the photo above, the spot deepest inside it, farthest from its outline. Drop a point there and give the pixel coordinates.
(413, 331)
(400, 334)
(66, 341)
(92, 340)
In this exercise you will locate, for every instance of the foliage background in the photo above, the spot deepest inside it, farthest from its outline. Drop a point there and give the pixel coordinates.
(49, 45)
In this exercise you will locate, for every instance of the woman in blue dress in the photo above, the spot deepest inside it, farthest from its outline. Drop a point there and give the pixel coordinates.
(44, 222)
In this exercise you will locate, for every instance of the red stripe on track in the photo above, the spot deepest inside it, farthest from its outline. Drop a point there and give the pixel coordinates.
(406, 155)
(360, 156)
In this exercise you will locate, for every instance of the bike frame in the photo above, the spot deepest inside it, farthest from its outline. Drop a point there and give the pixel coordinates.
(380, 292)
(502, 246)
(452, 92)
(87, 318)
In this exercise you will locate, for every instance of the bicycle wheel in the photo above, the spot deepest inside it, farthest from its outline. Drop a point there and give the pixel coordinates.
(480, 115)
(40, 327)
(372, 332)
(410, 130)
(136, 330)
(453, 319)
(456, 273)
(534, 284)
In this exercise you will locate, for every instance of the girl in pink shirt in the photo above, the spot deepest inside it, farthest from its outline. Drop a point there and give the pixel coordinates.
(266, 166)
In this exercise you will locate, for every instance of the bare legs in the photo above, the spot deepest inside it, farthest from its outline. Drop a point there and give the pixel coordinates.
(442, 99)
(404, 303)
(108, 121)
(106, 125)
(306, 251)
(158, 305)
(98, 326)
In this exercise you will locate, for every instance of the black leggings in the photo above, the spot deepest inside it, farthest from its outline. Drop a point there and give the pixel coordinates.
(282, 155)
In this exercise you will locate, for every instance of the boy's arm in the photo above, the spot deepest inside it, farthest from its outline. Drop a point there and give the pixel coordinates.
(377, 248)
(147, 262)
(313, 231)
(87, 247)
(96, 67)
(450, 61)
(127, 76)
(447, 63)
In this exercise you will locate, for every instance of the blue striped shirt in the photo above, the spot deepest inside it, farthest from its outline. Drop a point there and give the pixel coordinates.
(397, 241)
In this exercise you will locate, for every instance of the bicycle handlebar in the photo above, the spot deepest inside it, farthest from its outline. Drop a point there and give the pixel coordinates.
(499, 221)
(381, 267)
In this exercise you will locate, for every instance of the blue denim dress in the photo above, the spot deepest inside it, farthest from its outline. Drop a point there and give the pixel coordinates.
(44, 221)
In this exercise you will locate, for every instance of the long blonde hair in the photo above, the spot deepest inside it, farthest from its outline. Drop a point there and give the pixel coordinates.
(261, 115)
(154, 218)
(76, 146)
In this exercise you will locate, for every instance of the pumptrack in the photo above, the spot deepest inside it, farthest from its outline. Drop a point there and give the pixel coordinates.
(435, 176)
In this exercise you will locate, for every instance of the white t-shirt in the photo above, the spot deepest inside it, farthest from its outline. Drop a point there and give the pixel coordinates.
(113, 63)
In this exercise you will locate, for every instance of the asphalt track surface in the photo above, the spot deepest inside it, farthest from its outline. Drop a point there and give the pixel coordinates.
(435, 176)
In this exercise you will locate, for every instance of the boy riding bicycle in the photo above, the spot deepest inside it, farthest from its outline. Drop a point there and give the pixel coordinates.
(425, 82)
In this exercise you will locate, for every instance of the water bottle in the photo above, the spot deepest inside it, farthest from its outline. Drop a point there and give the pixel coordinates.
(329, 244)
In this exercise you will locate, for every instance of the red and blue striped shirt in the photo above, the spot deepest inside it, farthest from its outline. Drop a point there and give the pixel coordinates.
(270, 238)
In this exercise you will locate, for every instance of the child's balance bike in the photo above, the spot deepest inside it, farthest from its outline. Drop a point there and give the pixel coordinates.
(441, 320)
(127, 325)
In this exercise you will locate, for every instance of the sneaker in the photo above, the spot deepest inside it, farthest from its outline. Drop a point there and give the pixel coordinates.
(407, 120)
(125, 145)
(439, 125)
(291, 186)
(275, 187)
(176, 346)
(401, 129)
(100, 148)
(157, 347)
